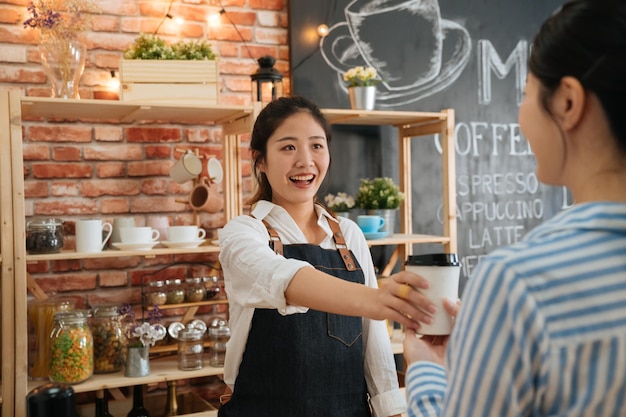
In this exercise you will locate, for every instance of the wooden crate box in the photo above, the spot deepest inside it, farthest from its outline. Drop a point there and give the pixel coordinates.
(169, 81)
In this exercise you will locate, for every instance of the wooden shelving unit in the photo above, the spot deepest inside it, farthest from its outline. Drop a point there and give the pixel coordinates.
(234, 121)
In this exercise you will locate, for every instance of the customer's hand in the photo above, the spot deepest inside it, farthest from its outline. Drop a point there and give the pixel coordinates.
(403, 302)
(428, 348)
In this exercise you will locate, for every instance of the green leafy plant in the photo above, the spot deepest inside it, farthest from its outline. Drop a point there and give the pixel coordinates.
(154, 47)
(379, 193)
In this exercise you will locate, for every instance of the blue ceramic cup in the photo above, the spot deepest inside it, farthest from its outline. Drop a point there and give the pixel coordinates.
(370, 223)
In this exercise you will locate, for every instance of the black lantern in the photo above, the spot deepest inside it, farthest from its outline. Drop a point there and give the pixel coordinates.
(267, 82)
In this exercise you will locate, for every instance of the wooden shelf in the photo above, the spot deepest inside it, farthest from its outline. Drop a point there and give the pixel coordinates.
(401, 238)
(117, 111)
(378, 117)
(188, 305)
(161, 370)
(112, 253)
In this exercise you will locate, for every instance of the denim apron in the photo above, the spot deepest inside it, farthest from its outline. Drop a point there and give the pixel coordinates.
(304, 365)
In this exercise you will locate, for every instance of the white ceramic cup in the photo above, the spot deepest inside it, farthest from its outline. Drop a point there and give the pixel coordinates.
(118, 223)
(139, 234)
(89, 235)
(185, 233)
(442, 271)
(186, 168)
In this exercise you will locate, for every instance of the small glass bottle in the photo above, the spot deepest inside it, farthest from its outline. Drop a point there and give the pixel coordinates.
(175, 291)
(194, 290)
(109, 340)
(156, 294)
(71, 348)
(44, 236)
(190, 349)
(219, 334)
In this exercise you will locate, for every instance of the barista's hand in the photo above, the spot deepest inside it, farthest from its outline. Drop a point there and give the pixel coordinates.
(428, 348)
(403, 302)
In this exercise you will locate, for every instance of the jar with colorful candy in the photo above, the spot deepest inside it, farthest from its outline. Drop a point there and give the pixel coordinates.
(71, 348)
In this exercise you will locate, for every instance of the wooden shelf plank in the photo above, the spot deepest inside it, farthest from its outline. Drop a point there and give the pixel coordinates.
(117, 111)
(161, 370)
(379, 117)
(66, 255)
(401, 238)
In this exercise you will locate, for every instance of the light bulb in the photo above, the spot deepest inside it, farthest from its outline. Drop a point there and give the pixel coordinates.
(322, 30)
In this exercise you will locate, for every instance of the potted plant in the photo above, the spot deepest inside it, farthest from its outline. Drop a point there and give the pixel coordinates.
(154, 71)
(361, 87)
(380, 196)
(341, 203)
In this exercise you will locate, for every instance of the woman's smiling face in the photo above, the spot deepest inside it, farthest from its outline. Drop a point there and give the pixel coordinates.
(297, 160)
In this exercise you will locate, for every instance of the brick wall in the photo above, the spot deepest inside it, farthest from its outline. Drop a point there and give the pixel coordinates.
(80, 170)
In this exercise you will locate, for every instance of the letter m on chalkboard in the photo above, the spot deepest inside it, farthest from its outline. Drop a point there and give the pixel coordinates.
(489, 61)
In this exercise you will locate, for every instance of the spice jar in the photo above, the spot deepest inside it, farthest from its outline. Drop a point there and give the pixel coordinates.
(156, 295)
(219, 334)
(175, 292)
(211, 286)
(194, 290)
(109, 340)
(71, 348)
(44, 236)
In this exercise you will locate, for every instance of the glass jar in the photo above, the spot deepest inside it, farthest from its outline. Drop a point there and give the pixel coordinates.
(194, 290)
(71, 348)
(109, 340)
(156, 295)
(44, 236)
(175, 291)
(219, 334)
(211, 286)
(41, 320)
(190, 349)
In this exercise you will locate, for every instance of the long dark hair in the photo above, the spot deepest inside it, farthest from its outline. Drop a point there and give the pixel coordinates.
(586, 39)
(269, 119)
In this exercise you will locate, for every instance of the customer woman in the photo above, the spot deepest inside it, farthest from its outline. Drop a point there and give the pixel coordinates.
(298, 281)
(542, 327)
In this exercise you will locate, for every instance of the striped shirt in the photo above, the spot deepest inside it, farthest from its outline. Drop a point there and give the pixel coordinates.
(542, 327)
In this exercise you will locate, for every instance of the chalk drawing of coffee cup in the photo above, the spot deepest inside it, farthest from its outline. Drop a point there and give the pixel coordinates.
(414, 50)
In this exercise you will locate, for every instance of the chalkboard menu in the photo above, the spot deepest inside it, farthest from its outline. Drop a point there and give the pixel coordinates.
(431, 55)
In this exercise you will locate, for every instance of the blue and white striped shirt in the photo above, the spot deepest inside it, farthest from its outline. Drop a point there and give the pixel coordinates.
(542, 327)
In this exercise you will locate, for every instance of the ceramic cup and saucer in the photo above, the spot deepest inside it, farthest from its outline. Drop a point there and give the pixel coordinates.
(184, 237)
(434, 51)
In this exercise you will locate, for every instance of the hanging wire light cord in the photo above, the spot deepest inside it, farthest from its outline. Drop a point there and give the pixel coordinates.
(167, 16)
(245, 44)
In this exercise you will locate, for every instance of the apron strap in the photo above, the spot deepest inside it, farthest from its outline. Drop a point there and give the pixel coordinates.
(340, 242)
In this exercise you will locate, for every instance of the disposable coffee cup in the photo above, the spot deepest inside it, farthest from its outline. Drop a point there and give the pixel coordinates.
(442, 271)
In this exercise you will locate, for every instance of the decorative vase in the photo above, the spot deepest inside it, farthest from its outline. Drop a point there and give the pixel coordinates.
(137, 361)
(390, 219)
(345, 214)
(362, 98)
(64, 62)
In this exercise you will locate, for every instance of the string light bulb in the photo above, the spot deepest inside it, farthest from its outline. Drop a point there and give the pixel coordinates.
(114, 82)
(322, 30)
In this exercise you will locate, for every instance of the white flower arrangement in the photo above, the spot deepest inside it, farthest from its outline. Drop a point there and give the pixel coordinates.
(361, 77)
(148, 334)
(340, 202)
